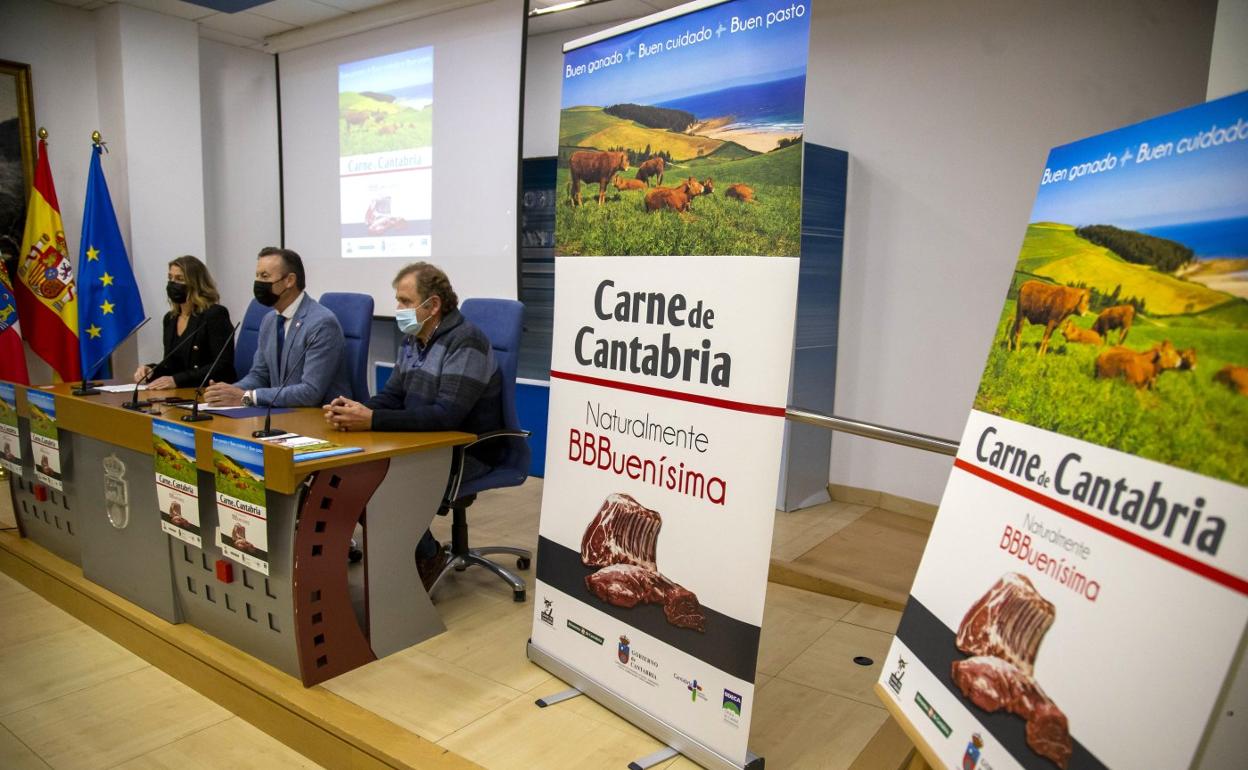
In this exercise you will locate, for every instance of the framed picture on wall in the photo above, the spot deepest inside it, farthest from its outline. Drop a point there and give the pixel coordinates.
(17, 154)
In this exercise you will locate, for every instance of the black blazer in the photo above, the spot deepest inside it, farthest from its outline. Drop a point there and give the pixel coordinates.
(209, 331)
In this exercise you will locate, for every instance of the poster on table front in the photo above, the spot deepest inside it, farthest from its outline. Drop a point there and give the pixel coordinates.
(45, 441)
(177, 481)
(679, 187)
(242, 513)
(10, 438)
(1085, 586)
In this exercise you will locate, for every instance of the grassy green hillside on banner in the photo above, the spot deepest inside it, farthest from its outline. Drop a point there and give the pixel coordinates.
(715, 224)
(236, 481)
(367, 125)
(1055, 252)
(1187, 419)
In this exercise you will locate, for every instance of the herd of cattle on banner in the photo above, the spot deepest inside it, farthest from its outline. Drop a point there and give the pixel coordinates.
(603, 168)
(1053, 307)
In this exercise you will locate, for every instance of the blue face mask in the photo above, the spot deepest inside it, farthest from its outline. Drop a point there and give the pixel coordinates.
(406, 319)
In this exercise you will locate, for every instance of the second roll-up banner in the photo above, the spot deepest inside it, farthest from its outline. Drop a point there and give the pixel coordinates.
(677, 230)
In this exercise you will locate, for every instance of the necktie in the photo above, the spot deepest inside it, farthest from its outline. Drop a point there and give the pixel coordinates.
(281, 341)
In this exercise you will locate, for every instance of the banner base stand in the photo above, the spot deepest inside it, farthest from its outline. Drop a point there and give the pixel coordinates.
(676, 740)
(558, 697)
(650, 760)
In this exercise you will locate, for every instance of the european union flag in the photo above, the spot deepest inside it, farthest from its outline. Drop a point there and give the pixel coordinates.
(109, 306)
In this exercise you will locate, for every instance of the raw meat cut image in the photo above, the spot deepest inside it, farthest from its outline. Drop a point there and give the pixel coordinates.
(623, 532)
(682, 609)
(627, 585)
(1003, 631)
(1008, 622)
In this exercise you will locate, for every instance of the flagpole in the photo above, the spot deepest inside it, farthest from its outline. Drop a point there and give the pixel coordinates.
(87, 388)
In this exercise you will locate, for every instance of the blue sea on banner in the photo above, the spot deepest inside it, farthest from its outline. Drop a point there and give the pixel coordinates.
(778, 103)
(248, 454)
(1218, 238)
(181, 437)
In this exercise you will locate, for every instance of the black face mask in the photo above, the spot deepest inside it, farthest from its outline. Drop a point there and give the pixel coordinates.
(264, 293)
(176, 292)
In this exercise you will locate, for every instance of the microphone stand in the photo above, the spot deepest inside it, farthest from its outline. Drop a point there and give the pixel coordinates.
(195, 416)
(268, 431)
(87, 388)
(134, 403)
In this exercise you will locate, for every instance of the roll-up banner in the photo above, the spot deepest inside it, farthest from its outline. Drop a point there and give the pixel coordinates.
(1084, 591)
(677, 232)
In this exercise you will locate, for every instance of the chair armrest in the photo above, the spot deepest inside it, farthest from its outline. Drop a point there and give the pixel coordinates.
(503, 432)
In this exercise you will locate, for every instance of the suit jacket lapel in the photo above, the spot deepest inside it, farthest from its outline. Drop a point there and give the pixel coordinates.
(294, 332)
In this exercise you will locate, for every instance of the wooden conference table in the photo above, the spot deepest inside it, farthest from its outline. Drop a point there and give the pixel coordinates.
(300, 617)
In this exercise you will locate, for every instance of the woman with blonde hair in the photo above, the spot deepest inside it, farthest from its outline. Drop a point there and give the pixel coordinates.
(195, 309)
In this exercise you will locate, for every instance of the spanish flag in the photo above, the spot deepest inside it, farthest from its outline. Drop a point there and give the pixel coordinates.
(47, 299)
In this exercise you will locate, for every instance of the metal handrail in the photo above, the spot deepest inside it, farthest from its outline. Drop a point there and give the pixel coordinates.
(870, 430)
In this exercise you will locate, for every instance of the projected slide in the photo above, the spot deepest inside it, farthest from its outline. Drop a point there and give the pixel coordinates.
(385, 151)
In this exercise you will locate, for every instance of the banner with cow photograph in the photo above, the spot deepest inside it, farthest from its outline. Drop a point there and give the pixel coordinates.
(1089, 562)
(242, 505)
(177, 481)
(45, 438)
(10, 437)
(679, 201)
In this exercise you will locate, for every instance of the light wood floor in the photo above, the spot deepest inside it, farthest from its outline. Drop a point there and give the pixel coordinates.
(70, 698)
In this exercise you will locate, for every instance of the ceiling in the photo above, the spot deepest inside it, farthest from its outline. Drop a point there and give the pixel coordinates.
(250, 28)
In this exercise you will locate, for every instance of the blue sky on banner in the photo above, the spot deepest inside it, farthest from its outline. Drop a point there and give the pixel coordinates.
(1147, 175)
(180, 436)
(389, 73)
(712, 56)
(248, 454)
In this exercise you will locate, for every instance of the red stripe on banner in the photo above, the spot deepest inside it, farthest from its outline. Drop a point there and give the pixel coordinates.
(1183, 561)
(721, 403)
(43, 177)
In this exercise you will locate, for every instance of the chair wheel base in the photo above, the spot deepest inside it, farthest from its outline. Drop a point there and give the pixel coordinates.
(519, 596)
(522, 563)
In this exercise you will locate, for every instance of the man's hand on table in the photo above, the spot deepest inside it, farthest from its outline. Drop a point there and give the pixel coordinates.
(223, 394)
(348, 415)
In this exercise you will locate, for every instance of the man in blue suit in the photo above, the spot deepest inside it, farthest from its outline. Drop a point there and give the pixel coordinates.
(300, 345)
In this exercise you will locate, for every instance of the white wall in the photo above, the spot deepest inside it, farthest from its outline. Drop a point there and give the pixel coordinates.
(948, 110)
(58, 43)
(238, 89)
(1228, 65)
(543, 64)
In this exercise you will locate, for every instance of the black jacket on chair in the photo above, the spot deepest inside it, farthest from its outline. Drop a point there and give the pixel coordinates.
(210, 330)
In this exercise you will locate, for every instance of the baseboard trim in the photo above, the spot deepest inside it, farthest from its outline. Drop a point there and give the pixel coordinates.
(319, 724)
(818, 581)
(886, 500)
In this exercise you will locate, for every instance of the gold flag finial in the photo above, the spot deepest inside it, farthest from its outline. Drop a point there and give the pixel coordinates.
(97, 138)
(43, 133)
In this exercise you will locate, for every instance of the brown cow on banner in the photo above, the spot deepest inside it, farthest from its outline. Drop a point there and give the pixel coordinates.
(590, 166)
(1043, 303)
(1116, 317)
(651, 168)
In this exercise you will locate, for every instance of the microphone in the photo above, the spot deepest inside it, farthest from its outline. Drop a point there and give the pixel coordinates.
(134, 403)
(86, 387)
(195, 416)
(268, 430)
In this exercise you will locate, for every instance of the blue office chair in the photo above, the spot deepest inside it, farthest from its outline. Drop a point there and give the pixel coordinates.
(248, 338)
(501, 320)
(355, 315)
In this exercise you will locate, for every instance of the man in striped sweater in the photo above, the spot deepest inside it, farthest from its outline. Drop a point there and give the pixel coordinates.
(446, 378)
